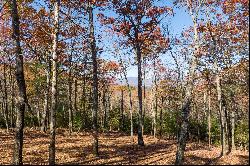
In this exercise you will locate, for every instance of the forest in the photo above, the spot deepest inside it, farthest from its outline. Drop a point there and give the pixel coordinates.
(124, 82)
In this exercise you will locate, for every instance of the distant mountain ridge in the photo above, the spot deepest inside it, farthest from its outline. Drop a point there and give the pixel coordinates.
(133, 81)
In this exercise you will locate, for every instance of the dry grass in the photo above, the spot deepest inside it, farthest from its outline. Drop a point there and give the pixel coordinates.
(115, 148)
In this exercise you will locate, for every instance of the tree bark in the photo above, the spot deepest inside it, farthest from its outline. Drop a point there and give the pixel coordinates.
(84, 98)
(12, 98)
(18, 144)
(5, 98)
(144, 94)
(221, 110)
(122, 111)
(70, 94)
(54, 84)
(104, 103)
(234, 107)
(95, 80)
(156, 99)
(46, 96)
(140, 136)
(209, 118)
(187, 100)
(233, 129)
(162, 107)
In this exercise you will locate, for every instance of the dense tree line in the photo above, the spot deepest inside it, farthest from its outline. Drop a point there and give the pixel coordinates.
(54, 73)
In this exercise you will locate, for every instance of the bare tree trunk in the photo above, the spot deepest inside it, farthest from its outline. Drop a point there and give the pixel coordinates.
(209, 118)
(84, 99)
(140, 136)
(104, 107)
(70, 91)
(162, 107)
(70, 101)
(233, 129)
(156, 99)
(46, 96)
(75, 95)
(18, 144)
(234, 107)
(187, 100)
(109, 108)
(12, 98)
(144, 94)
(122, 110)
(131, 116)
(95, 80)
(54, 85)
(185, 114)
(221, 110)
(6, 109)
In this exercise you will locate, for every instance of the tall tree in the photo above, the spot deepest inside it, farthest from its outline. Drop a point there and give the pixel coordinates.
(22, 98)
(138, 21)
(193, 8)
(95, 77)
(54, 84)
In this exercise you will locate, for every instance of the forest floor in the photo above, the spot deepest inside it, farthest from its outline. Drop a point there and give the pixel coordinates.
(114, 148)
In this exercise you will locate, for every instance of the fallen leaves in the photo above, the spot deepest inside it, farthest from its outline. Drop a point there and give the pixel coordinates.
(115, 148)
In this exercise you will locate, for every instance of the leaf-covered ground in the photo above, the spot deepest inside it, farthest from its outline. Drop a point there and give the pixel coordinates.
(115, 148)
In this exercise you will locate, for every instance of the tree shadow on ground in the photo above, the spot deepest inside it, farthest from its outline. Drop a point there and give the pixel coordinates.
(196, 160)
(123, 154)
(244, 159)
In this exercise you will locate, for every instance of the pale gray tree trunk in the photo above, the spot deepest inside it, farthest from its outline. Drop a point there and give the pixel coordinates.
(209, 118)
(124, 71)
(70, 93)
(188, 98)
(54, 84)
(46, 96)
(221, 110)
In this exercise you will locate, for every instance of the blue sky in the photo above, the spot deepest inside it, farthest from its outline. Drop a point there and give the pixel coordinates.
(180, 21)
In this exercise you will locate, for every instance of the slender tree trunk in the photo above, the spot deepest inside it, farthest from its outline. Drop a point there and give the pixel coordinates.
(70, 102)
(162, 107)
(156, 99)
(84, 101)
(95, 80)
(131, 116)
(6, 108)
(233, 129)
(144, 94)
(228, 127)
(109, 108)
(205, 101)
(12, 98)
(122, 111)
(187, 101)
(221, 111)
(84, 98)
(18, 144)
(140, 136)
(70, 91)
(46, 96)
(54, 85)
(234, 107)
(104, 108)
(209, 118)
(185, 114)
